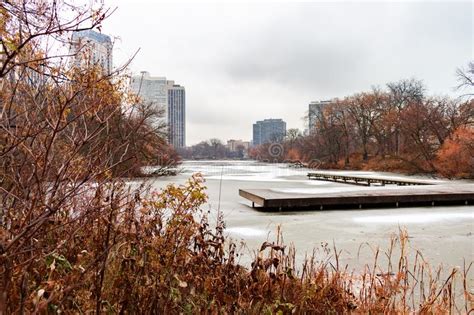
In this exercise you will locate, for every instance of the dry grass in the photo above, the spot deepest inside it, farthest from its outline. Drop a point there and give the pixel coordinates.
(160, 255)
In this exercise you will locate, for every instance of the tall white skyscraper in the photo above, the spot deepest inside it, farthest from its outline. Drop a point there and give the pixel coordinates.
(151, 89)
(92, 48)
(176, 115)
(165, 95)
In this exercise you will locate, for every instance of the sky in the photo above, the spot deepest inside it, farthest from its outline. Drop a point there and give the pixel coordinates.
(246, 61)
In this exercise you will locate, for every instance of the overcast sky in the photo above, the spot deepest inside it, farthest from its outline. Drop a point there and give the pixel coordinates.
(242, 62)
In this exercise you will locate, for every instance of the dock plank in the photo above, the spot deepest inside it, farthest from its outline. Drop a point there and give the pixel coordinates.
(399, 196)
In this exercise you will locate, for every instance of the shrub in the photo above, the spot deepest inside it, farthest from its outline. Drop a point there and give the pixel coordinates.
(125, 251)
(456, 157)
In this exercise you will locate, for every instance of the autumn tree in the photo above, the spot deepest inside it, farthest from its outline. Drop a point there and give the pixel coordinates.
(364, 110)
(456, 156)
(66, 137)
(209, 149)
(401, 94)
(399, 128)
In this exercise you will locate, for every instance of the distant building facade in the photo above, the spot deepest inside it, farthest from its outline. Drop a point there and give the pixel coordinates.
(236, 145)
(268, 130)
(167, 96)
(92, 48)
(315, 112)
(176, 114)
(152, 90)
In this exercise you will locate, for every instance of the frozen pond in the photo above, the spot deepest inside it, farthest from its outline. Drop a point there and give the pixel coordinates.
(443, 234)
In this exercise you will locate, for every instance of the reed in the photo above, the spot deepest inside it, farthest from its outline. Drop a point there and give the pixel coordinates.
(158, 253)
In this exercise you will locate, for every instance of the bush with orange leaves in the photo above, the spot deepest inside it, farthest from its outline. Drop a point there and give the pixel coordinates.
(456, 156)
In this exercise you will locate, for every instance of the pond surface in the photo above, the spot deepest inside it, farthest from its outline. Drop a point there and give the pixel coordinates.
(443, 234)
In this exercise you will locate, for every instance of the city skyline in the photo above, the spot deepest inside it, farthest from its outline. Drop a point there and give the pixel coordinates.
(275, 61)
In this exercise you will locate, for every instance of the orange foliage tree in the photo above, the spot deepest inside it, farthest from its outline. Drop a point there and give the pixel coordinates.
(456, 156)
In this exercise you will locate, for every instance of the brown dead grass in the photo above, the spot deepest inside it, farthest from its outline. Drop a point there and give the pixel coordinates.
(159, 254)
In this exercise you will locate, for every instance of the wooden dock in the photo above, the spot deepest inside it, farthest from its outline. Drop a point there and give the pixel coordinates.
(433, 195)
(366, 180)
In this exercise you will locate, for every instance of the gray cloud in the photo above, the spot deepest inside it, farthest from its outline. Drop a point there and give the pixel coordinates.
(318, 67)
(356, 45)
(249, 61)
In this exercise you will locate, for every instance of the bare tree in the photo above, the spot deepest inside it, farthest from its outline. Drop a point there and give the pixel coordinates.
(465, 78)
(403, 93)
(26, 23)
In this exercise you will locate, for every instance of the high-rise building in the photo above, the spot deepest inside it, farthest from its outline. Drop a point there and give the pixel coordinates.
(268, 130)
(167, 96)
(176, 114)
(315, 112)
(92, 48)
(152, 90)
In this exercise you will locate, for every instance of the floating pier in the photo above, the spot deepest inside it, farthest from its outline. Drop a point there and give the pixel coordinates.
(268, 199)
(366, 180)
